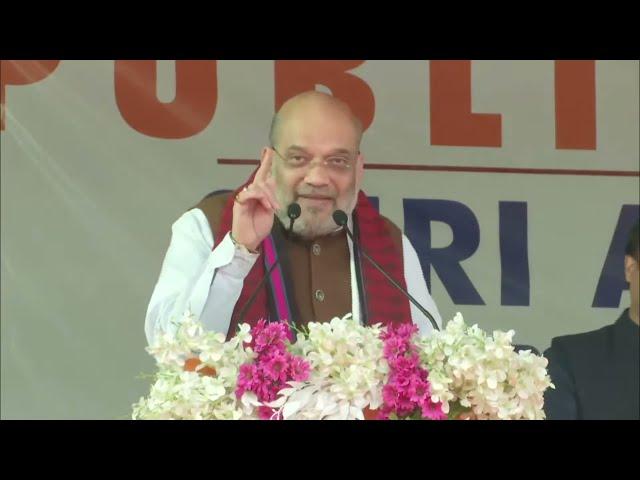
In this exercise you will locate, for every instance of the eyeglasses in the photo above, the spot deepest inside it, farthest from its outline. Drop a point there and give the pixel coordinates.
(338, 163)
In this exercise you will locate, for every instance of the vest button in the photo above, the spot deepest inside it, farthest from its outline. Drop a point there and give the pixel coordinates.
(319, 294)
(316, 249)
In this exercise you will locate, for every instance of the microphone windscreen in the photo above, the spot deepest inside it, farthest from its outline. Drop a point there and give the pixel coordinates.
(294, 210)
(340, 218)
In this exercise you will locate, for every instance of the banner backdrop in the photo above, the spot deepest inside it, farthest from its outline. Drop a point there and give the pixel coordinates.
(516, 181)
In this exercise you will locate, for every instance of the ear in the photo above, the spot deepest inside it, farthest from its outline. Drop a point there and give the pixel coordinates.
(630, 264)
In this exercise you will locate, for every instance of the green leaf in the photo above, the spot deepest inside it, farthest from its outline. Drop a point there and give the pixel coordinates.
(455, 410)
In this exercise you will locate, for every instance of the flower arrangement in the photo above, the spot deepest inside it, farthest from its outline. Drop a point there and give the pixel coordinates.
(343, 370)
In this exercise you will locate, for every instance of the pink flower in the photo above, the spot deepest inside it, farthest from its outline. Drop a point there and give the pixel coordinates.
(401, 379)
(276, 367)
(299, 369)
(255, 331)
(390, 394)
(245, 379)
(418, 390)
(433, 411)
(271, 336)
(405, 364)
(265, 413)
(273, 366)
(407, 392)
(404, 332)
(394, 347)
(407, 330)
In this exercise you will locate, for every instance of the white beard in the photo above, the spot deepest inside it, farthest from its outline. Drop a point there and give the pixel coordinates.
(308, 225)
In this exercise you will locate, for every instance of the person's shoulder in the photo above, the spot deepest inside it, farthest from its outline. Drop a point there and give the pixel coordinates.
(585, 341)
(212, 206)
(215, 200)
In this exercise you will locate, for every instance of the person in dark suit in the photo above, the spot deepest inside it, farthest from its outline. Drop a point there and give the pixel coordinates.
(596, 373)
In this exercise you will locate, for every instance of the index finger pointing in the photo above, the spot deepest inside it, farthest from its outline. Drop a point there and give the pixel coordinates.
(265, 169)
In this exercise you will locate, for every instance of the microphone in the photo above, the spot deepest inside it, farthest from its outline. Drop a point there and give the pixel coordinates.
(293, 212)
(341, 220)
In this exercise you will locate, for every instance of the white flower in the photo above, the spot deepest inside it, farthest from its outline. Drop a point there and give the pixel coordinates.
(347, 372)
(484, 373)
(179, 394)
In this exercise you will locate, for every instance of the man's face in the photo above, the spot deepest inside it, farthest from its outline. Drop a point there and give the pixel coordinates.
(317, 164)
(632, 275)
